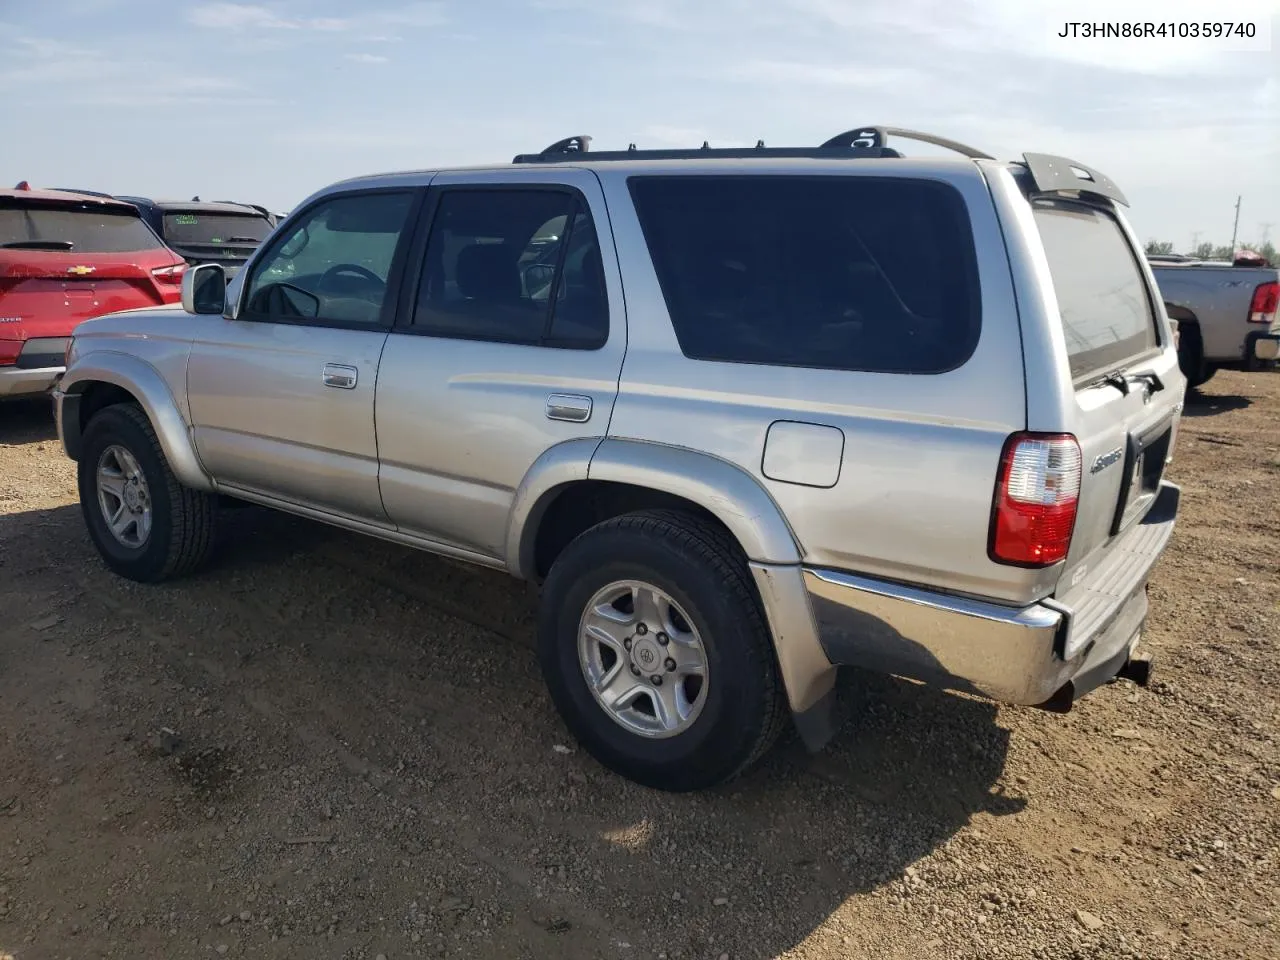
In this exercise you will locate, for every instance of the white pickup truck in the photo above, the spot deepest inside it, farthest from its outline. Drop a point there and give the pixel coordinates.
(1225, 314)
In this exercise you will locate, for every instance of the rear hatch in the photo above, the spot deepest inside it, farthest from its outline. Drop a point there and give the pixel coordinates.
(200, 236)
(65, 259)
(1128, 394)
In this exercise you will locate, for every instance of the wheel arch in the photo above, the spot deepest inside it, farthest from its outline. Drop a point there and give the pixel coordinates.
(596, 479)
(103, 378)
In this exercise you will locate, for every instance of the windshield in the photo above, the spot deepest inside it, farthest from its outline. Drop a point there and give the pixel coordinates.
(189, 227)
(74, 229)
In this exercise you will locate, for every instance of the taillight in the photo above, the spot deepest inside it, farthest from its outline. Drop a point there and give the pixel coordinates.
(9, 350)
(1037, 493)
(1265, 298)
(170, 275)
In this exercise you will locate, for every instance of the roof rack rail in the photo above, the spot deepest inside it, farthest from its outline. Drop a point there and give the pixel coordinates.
(857, 143)
(876, 137)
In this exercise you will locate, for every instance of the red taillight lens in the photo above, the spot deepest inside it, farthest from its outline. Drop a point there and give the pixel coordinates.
(1266, 296)
(9, 350)
(170, 275)
(1036, 498)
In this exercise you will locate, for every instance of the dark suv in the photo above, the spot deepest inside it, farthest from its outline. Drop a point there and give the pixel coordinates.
(207, 232)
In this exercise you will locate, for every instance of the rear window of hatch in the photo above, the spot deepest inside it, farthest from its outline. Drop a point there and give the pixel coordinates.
(63, 227)
(186, 227)
(873, 274)
(1108, 317)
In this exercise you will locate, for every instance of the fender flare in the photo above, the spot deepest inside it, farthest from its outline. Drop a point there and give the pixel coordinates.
(718, 486)
(149, 388)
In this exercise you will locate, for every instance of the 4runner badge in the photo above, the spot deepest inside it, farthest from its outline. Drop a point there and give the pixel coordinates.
(1106, 460)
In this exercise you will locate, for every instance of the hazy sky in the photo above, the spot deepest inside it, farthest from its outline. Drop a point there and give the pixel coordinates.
(265, 102)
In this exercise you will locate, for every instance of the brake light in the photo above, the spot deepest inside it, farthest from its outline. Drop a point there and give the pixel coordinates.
(9, 350)
(1037, 493)
(170, 275)
(1265, 298)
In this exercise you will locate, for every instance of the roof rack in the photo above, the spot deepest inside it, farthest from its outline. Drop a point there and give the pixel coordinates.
(1049, 174)
(859, 142)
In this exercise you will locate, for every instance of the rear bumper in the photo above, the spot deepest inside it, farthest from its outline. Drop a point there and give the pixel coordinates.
(1261, 345)
(19, 382)
(1011, 654)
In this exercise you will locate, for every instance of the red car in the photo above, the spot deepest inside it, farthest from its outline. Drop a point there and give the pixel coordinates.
(66, 257)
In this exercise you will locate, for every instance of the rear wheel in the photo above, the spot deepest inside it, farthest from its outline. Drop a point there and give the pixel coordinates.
(655, 650)
(1191, 356)
(145, 524)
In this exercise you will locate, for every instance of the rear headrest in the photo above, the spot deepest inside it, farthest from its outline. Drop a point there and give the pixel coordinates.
(487, 271)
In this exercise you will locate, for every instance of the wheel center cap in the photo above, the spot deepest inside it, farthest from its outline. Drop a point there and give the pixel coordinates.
(131, 499)
(646, 655)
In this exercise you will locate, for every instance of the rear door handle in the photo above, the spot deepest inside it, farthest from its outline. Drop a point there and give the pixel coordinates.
(339, 375)
(570, 407)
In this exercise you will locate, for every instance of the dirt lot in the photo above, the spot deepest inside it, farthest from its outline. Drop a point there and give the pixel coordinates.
(332, 747)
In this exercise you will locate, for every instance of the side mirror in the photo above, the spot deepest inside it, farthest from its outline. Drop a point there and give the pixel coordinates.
(204, 289)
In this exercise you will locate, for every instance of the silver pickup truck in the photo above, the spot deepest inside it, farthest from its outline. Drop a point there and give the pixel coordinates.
(1225, 314)
(744, 415)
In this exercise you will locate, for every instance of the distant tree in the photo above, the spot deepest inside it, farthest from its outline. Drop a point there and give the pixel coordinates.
(1159, 246)
(1204, 251)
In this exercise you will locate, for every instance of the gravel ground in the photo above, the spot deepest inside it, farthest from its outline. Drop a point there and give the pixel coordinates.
(326, 746)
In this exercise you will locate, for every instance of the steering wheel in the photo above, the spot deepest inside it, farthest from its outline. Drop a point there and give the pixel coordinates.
(350, 268)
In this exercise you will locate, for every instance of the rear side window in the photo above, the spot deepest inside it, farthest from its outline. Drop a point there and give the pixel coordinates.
(74, 229)
(1106, 311)
(843, 273)
(217, 229)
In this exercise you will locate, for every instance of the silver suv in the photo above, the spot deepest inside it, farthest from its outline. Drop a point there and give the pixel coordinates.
(745, 416)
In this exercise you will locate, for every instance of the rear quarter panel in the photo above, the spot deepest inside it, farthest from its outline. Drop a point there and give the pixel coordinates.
(912, 497)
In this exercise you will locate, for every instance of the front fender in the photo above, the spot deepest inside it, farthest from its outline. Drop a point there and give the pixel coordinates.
(145, 384)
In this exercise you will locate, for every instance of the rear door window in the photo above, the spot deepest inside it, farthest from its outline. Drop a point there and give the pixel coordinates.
(1107, 314)
(844, 273)
(60, 227)
(514, 266)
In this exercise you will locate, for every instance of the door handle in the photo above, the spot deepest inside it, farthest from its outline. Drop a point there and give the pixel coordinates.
(570, 407)
(339, 375)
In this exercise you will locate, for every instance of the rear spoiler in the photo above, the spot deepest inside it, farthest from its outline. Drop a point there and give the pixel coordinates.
(1052, 174)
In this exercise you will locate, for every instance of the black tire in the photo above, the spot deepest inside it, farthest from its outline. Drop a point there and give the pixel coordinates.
(705, 573)
(183, 520)
(1191, 356)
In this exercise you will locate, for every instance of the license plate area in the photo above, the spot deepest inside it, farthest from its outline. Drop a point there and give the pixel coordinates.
(1145, 458)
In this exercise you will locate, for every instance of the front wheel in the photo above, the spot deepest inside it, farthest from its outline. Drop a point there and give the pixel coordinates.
(145, 524)
(655, 650)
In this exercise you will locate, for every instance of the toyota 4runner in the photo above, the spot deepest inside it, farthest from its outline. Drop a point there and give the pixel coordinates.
(745, 415)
